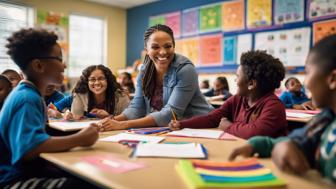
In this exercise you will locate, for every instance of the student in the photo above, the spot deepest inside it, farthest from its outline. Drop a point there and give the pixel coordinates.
(22, 132)
(60, 107)
(126, 82)
(97, 92)
(295, 97)
(13, 76)
(314, 145)
(204, 84)
(254, 110)
(220, 87)
(5, 89)
(52, 95)
(167, 82)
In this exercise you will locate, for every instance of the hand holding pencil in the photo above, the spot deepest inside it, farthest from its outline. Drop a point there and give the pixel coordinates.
(174, 124)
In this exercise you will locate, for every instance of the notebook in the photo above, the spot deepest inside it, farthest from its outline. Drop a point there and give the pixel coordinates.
(71, 125)
(132, 137)
(202, 133)
(187, 150)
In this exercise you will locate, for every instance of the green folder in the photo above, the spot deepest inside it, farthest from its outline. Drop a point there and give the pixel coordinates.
(186, 170)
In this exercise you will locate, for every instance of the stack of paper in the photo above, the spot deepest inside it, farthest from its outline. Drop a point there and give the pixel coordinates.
(71, 125)
(132, 137)
(188, 150)
(243, 174)
(299, 115)
(202, 133)
(149, 130)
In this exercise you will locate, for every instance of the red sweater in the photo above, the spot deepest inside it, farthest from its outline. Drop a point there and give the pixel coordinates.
(266, 117)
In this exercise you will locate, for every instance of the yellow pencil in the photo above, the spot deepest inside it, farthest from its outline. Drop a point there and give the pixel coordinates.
(173, 113)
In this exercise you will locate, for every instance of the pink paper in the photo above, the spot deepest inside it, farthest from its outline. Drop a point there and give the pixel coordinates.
(227, 136)
(113, 164)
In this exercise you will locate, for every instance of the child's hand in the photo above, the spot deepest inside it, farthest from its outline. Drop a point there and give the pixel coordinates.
(224, 124)
(68, 115)
(298, 107)
(289, 158)
(109, 124)
(308, 105)
(245, 151)
(100, 113)
(174, 125)
(88, 136)
(54, 113)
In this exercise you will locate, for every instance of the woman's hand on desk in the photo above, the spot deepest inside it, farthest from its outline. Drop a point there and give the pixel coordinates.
(109, 124)
(88, 136)
(224, 123)
(174, 125)
(100, 113)
(289, 158)
(245, 151)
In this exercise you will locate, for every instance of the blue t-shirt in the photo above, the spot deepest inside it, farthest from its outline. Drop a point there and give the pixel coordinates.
(64, 103)
(22, 128)
(289, 99)
(55, 97)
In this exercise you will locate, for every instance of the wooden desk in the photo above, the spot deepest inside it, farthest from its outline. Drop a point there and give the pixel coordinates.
(160, 172)
(217, 102)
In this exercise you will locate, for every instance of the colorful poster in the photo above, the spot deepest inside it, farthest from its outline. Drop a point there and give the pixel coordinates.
(190, 22)
(210, 18)
(178, 46)
(288, 11)
(211, 50)
(58, 23)
(290, 46)
(191, 49)
(244, 44)
(259, 13)
(233, 15)
(153, 20)
(319, 9)
(173, 20)
(323, 29)
(230, 49)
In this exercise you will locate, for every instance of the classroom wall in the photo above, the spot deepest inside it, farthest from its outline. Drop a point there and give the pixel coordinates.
(115, 21)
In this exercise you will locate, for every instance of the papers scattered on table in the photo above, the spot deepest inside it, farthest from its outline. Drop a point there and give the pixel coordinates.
(202, 133)
(149, 130)
(189, 150)
(71, 125)
(132, 137)
(113, 164)
(242, 174)
(299, 115)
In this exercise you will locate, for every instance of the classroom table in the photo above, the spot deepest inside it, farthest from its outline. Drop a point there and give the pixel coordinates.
(160, 172)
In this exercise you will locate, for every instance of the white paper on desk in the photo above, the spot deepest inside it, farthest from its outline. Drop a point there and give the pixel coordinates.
(298, 115)
(190, 150)
(198, 133)
(71, 125)
(127, 136)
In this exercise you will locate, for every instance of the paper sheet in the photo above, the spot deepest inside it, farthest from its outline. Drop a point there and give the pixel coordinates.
(135, 137)
(71, 125)
(198, 133)
(298, 115)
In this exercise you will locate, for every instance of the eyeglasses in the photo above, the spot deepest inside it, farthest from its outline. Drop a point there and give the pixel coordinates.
(51, 57)
(99, 79)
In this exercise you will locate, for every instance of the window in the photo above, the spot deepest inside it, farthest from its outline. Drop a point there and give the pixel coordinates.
(12, 18)
(87, 43)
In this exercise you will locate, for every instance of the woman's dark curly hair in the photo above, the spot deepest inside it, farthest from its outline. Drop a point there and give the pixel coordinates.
(149, 78)
(27, 44)
(82, 87)
(264, 68)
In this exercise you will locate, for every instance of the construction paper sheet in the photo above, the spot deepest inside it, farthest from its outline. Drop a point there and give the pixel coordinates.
(290, 46)
(189, 150)
(211, 50)
(132, 137)
(191, 49)
(211, 178)
(210, 18)
(244, 44)
(198, 133)
(321, 9)
(247, 162)
(173, 20)
(71, 125)
(153, 20)
(113, 164)
(259, 13)
(323, 29)
(230, 50)
(260, 171)
(288, 11)
(233, 15)
(189, 22)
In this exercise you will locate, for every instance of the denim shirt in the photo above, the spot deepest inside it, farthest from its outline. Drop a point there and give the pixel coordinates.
(181, 94)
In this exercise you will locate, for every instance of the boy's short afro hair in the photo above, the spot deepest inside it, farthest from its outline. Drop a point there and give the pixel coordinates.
(264, 68)
(27, 44)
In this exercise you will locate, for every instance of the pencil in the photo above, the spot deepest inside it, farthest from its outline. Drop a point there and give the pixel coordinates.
(173, 113)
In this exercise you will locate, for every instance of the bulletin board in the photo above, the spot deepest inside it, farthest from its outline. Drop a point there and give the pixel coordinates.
(213, 36)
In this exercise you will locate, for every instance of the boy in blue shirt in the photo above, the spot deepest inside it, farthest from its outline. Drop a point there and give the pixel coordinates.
(52, 95)
(295, 97)
(23, 116)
